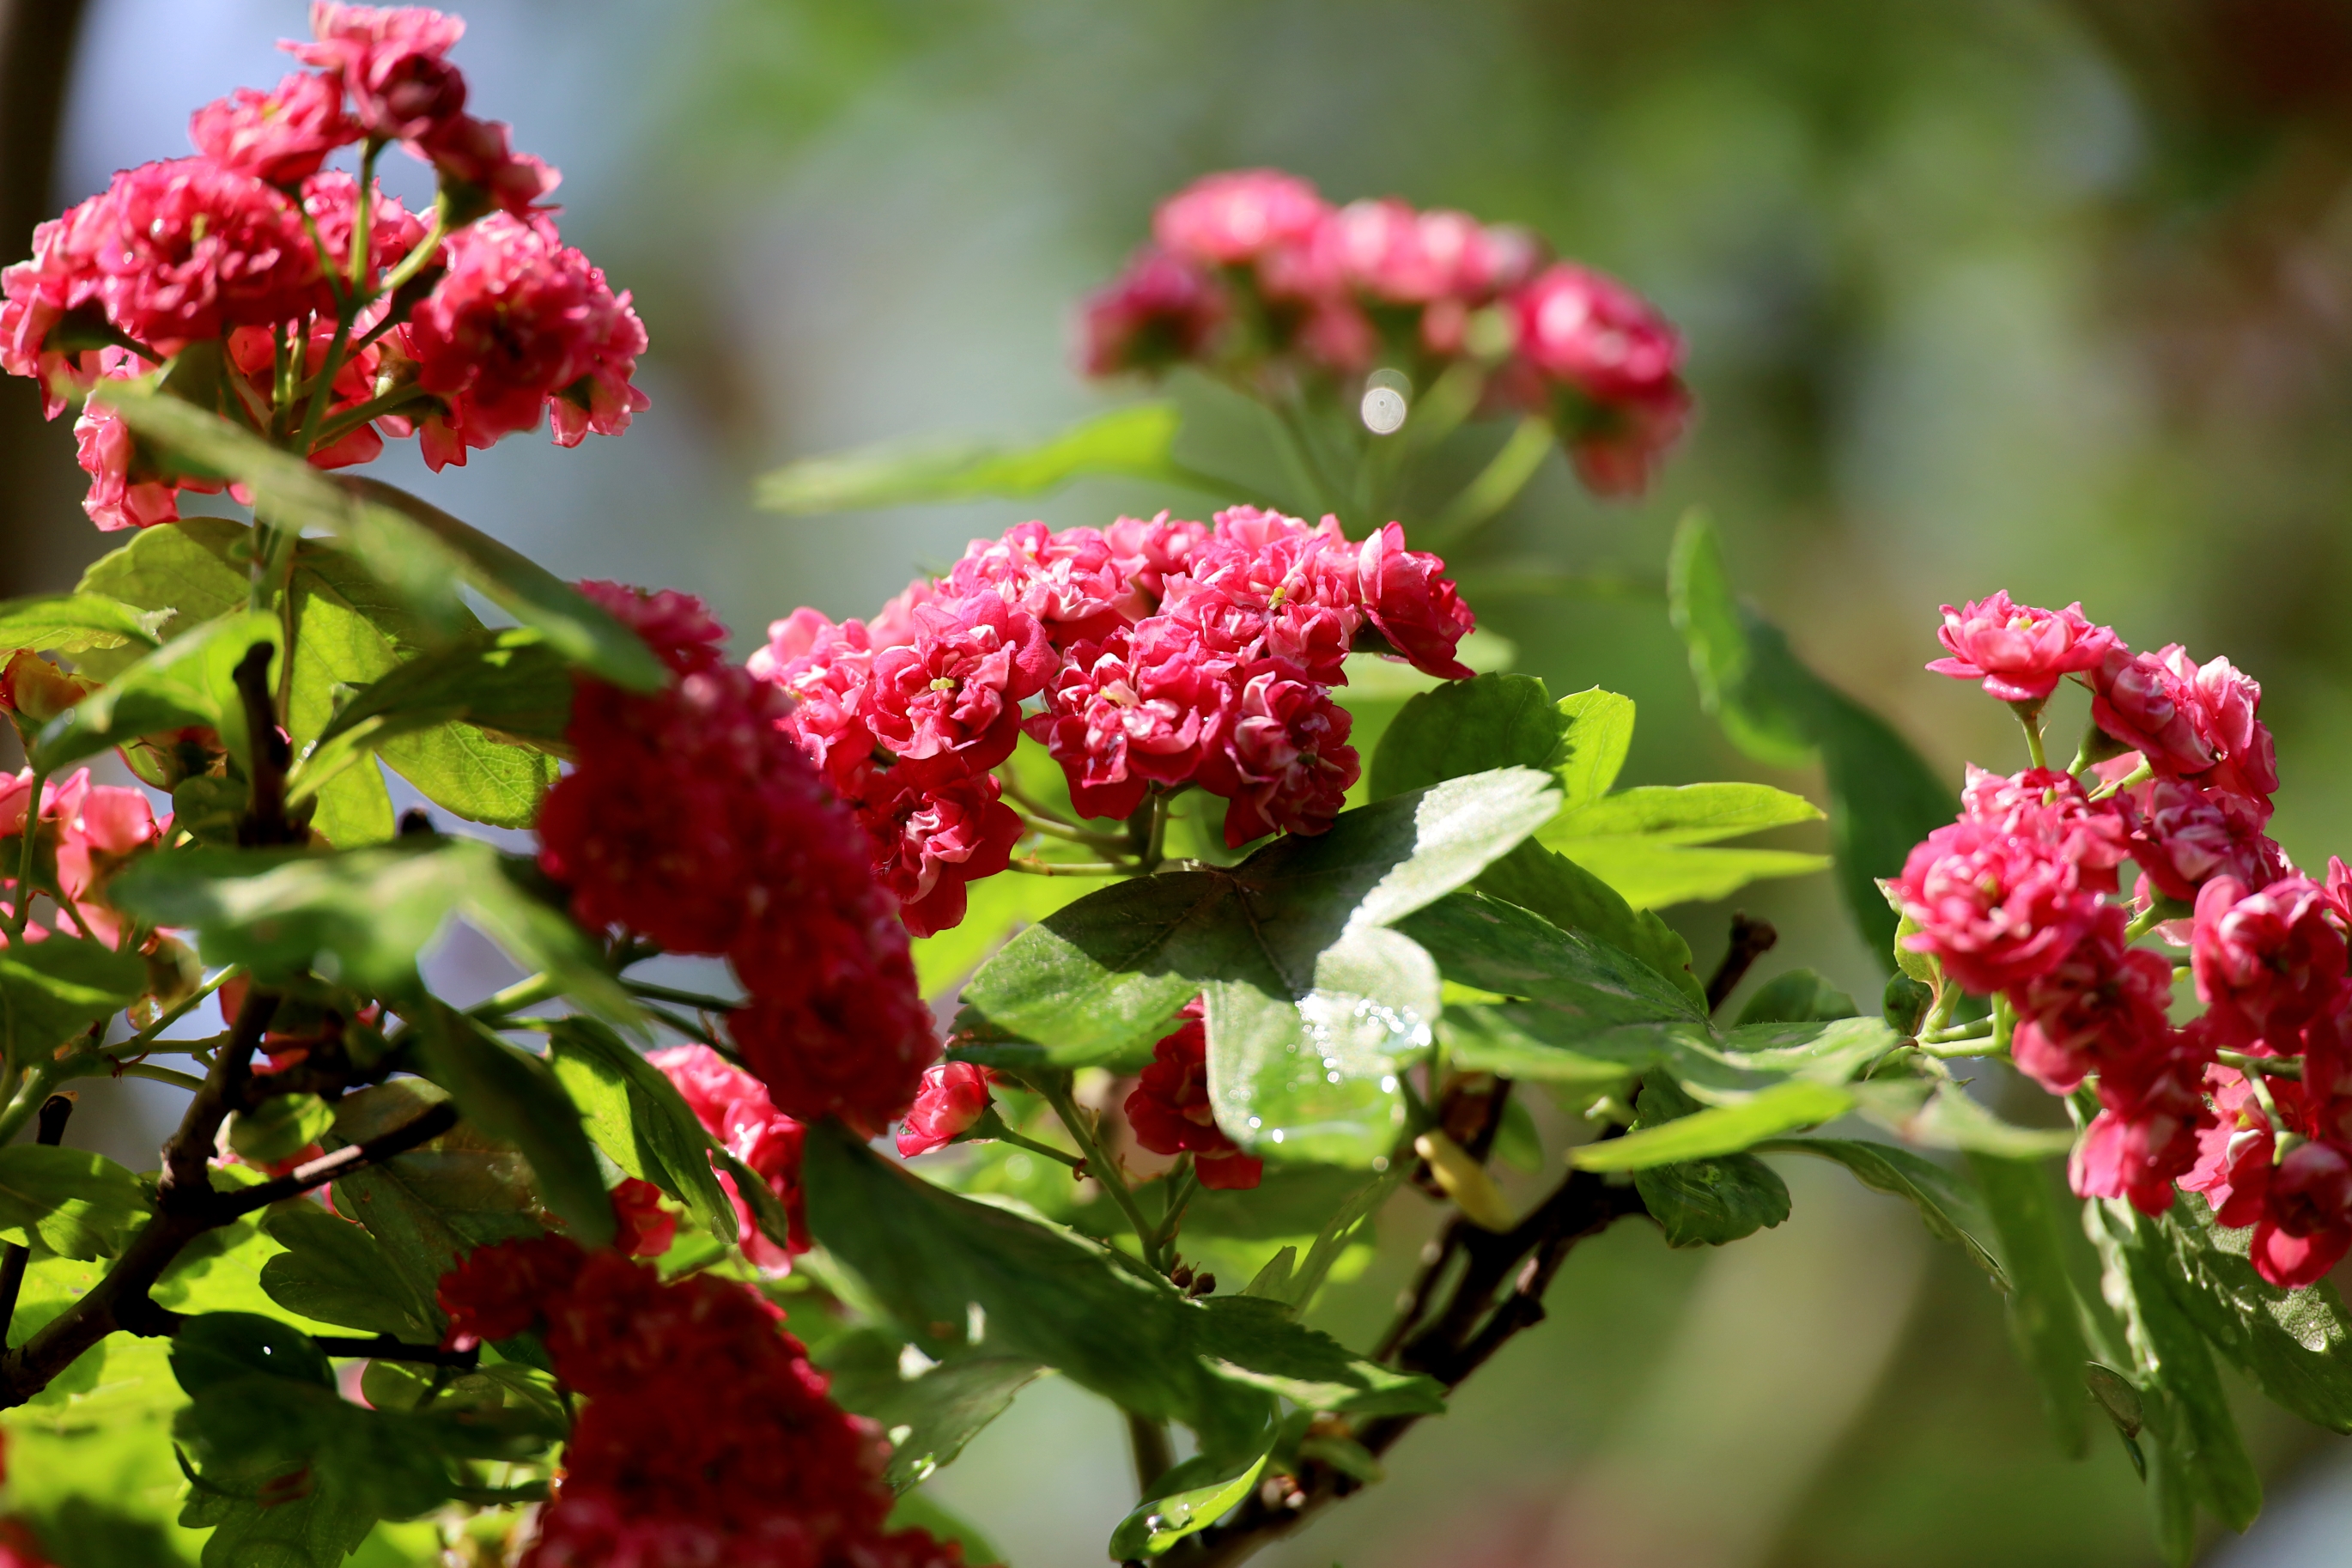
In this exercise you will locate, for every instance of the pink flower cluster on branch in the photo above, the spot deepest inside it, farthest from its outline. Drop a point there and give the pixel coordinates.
(1253, 275)
(692, 819)
(2017, 899)
(461, 330)
(85, 833)
(706, 1436)
(1159, 655)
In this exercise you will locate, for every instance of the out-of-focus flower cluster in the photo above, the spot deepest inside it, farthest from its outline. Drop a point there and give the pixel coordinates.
(1254, 276)
(1155, 655)
(321, 318)
(706, 1436)
(86, 832)
(691, 820)
(2249, 1102)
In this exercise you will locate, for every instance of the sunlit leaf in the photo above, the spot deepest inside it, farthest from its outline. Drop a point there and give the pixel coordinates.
(1134, 440)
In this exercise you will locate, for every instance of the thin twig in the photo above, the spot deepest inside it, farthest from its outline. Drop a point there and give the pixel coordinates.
(1750, 940)
(427, 1126)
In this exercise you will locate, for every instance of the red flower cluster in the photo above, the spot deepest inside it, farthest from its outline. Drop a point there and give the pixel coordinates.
(1164, 653)
(2013, 900)
(707, 1436)
(1170, 1109)
(92, 830)
(692, 819)
(1252, 273)
(250, 244)
(734, 1108)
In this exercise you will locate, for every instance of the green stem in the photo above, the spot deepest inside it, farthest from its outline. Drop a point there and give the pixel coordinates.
(37, 1086)
(2260, 1066)
(409, 265)
(1155, 848)
(1306, 467)
(137, 1044)
(1020, 1141)
(2033, 742)
(2138, 775)
(1037, 867)
(359, 413)
(1074, 834)
(30, 835)
(1495, 488)
(1981, 1029)
(2148, 919)
(516, 997)
(1185, 1182)
(149, 1070)
(696, 999)
(1055, 1089)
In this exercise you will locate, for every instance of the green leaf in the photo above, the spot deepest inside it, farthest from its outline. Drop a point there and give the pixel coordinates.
(920, 1510)
(187, 572)
(1651, 875)
(1158, 1523)
(1706, 1203)
(1683, 814)
(279, 1128)
(930, 1418)
(2194, 1419)
(1467, 726)
(635, 1115)
(1099, 979)
(361, 917)
(512, 1095)
(1488, 1039)
(1600, 734)
(432, 1206)
(315, 1530)
(1718, 1130)
(995, 908)
(419, 550)
(77, 623)
(2043, 1315)
(1133, 440)
(1583, 984)
(1799, 996)
(1945, 1116)
(1949, 1205)
(214, 1348)
(77, 1203)
(53, 991)
(189, 680)
(2296, 1344)
(1573, 899)
(1253, 1340)
(333, 1271)
(1883, 798)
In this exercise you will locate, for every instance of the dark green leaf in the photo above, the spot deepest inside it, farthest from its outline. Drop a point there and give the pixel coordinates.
(1573, 899)
(215, 1348)
(1706, 1203)
(1946, 1116)
(430, 1207)
(333, 1271)
(512, 1095)
(76, 622)
(1501, 947)
(929, 1419)
(187, 681)
(1256, 1340)
(317, 1529)
(2194, 1422)
(1134, 440)
(2296, 1344)
(1799, 996)
(361, 917)
(1948, 1205)
(279, 1128)
(1291, 1201)
(1883, 798)
(1489, 1039)
(1467, 726)
(2043, 1315)
(52, 992)
(920, 1510)
(75, 1204)
(637, 1116)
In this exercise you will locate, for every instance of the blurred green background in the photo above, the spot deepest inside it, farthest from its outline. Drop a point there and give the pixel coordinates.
(2050, 295)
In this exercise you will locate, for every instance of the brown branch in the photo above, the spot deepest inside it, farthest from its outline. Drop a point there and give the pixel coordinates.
(1750, 940)
(326, 1168)
(1459, 1338)
(263, 823)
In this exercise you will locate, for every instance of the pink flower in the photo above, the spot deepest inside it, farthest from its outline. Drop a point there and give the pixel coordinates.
(1402, 256)
(954, 1096)
(2183, 835)
(2052, 805)
(1161, 311)
(1245, 216)
(2266, 962)
(521, 322)
(835, 1026)
(1283, 762)
(2306, 1224)
(2105, 1001)
(389, 58)
(1071, 581)
(642, 1227)
(1168, 1110)
(105, 448)
(191, 249)
(282, 136)
(1617, 447)
(949, 703)
(1138, 709)
(2236, 1152)
(1267, 586)
(734, 1108)
(1147, 553)
(2145, 1134)
(479, 156)
(2188, 721)
(930, 840)
(1998, 901)
(332, 198)
(2019, 652)
(1410, 601)
(63, 277)
(1579, 327)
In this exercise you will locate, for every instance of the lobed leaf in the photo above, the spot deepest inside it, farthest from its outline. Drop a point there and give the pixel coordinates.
(77, 1203)
(1682, 814)
(183, 573)
(1159, 1522)
(513, 1095)
(334, 1271)
(52, 992)
(1134, 440)
(930, 1418)
(2296, 1344)
(1718, 1130)
(1649, 874)
(1948, 1204)
(637, 1116)
(1600, 734)
(77, 622)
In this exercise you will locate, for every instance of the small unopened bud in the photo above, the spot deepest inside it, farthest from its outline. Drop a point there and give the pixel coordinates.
(37, 690)
(1466, 1181)
(1181, 1276)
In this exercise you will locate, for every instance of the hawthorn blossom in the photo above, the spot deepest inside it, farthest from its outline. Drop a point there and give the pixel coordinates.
(1169, 1110)
(2019, 653)
(954, 1096)
(281, 136)
(2266, 962)
(392, 62)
